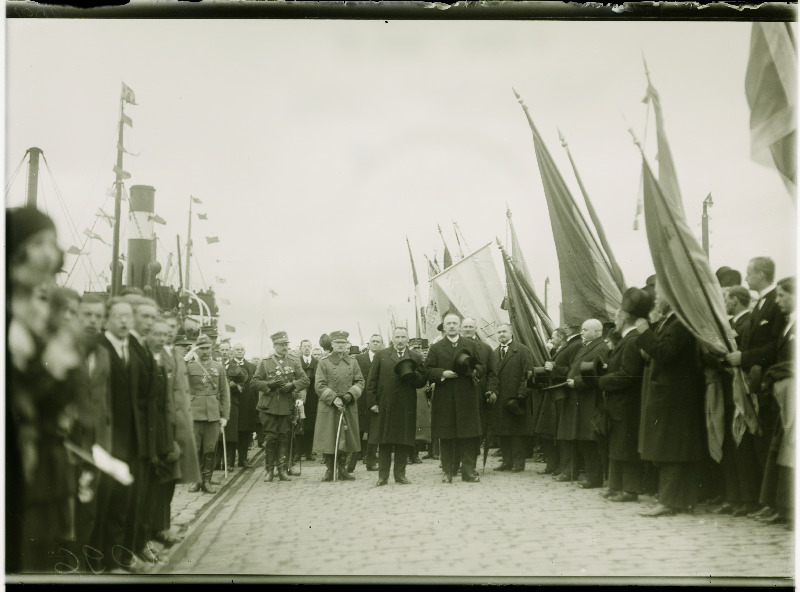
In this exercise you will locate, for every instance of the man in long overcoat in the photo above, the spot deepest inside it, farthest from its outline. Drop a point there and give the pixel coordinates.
(305, 441)
(248, 397)
(456, 403)
(544, 414)
(672, 426)
(583, 398)
(559, 368)
(394, 399)
(339, 384)
(469, 330)
(512, 360)
(369, 436)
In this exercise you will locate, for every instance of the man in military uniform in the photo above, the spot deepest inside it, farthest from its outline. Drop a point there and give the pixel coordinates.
(211, 404)
(339, 384)
(280, 380)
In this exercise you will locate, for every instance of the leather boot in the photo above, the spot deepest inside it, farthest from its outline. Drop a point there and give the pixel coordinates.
(282, 462)
(329, 466)
(342, 473)
(269, 461)
(207, 472)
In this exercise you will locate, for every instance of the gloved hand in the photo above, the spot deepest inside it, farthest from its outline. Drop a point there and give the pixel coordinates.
(338, 403)
(298, 403)
(491, 398)
(222, 423)
(275, 383)
(347, 398)
(287, 388)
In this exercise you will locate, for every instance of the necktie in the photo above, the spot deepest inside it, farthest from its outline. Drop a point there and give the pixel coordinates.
(125, 352)
(503, 350)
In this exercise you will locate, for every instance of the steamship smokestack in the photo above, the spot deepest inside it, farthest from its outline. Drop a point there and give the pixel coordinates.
(141, 239)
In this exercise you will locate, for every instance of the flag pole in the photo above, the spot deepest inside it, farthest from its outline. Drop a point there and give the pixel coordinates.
(116, 282)
(189, 244)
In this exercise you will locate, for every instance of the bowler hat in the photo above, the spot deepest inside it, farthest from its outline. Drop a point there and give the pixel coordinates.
(406, 371)
(728, 277)
(464, 364)
(591, 371)
(637, 302)
(515, 406)
(280, 337)
(440, 326)
(339, 336)
(203, 341)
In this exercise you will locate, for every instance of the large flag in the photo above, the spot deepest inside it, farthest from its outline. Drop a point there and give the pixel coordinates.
(771, 89)
(127, 94)
(693, 292)
(516, 251)
(419, 311)
(212, 239)
(473, 287)
(588, 289)
(667, 176)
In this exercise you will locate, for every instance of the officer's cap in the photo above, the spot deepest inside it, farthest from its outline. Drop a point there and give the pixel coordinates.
(280, 337)
(204, 341)
(339, 336)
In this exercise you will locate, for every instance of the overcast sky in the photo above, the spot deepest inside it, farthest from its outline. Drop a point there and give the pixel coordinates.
(318, 146)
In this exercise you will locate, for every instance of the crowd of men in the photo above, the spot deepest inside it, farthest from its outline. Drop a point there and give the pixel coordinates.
(110, 407)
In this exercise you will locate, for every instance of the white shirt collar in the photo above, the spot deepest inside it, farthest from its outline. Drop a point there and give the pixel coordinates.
(766, 291)
(507, 344)
(118, 343)
(400, 354)
(739, 315)
(451, 339)
(371, 355)
(138, 337)
(628, 330)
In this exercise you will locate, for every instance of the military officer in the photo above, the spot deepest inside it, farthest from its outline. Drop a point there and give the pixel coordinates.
(211, 405)
(339, 384)
(281, 382)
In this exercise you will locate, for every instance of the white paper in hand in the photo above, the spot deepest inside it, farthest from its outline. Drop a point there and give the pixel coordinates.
(113, 467)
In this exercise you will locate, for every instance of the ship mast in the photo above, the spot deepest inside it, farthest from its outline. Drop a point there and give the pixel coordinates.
(189, 246)
(33, 176)
(116, 277)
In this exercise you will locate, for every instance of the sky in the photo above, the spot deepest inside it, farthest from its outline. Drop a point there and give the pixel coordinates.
(318, 146)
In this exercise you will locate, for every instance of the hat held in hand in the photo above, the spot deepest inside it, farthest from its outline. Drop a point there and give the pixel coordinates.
(406, 371)
(515, 406)
(464, 364)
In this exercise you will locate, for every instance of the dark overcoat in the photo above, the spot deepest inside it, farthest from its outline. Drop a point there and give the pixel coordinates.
(579, 420)
(179, 414)
(547, 422)
(312, 400)
(365, 416)
(672, 427)
(396, 421)
(337, 375)
(622, 387)
(456, 403)
(759, 341)
(237, 378)
(488, 379)
(512, 376)
(248, 416)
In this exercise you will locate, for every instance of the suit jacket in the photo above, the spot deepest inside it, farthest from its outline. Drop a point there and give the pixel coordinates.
(396, 422)
(365, 416)
(741, 325)
(151, 392)
(248, 398)
(672, 426)
(579, 419)
(312, 400)
(512, 381)
(456, 402)
(562, 362)
(622, 386)
(761, 337)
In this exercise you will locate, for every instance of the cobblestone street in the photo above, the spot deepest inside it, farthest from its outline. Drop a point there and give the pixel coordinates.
(508, 525)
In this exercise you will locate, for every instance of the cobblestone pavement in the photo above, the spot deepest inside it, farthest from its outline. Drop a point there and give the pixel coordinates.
(508, 525)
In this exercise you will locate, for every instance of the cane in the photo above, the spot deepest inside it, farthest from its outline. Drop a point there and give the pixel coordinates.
(224, 452)
(336, 450)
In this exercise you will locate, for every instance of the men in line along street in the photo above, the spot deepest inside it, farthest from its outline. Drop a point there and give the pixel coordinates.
(237, 381)
(392, 385)
(455, 408)
(339, 384)
(211, 404)
(469, 330)
(510, 409)
(280, 380)
(369, 446)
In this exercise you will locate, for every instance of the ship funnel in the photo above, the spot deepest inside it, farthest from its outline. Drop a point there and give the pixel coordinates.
(141, 238)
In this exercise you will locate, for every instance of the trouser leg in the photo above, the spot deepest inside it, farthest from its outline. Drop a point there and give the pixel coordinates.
(242, 446)
(448, 454)
(371, 456)
(566, 453)
(518, 452)
(505, 449)
(401, 454)
(468, 456)
(384, 460)
(354, 457)
(678, 484)
(550, 452)
(591, 461)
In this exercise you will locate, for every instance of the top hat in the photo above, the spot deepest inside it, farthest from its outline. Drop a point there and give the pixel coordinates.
(406, 371)
(540, 377)
(516, 406)
(339, 336)
(280, 337)
(354, 350)
(203, 341)
(591, 371)
(637, 302)
(464, 364)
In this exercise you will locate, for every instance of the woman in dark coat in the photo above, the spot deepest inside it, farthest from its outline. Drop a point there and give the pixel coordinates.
(672, 427)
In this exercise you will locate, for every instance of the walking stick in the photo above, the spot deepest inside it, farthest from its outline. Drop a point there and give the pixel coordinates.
(336, 450)
(224, 452)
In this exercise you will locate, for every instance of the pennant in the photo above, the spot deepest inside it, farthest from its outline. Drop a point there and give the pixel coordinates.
(95, 236)
(419, 313)
(196, 200)
(126, 151)
(230, 329)
(667, 175)
(273, 293)
(220, 280)
(202, 216)
(111, 191)
(771, 90)
(107, 217)
(212, 239)
(121, 174)
(157, 219)
(127, 120)
(127, 94)
(448, 259)
(588, 289)
(74, 251)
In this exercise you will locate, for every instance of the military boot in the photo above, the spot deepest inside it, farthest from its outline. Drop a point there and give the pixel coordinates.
(342, 473)
(207, 472)
(282, 462)
(328, 458)
(269, 460)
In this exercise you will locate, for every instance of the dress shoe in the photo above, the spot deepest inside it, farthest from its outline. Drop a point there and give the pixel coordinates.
(447, 477)
(135, 565)
(545, 472)
(726, 508)
(350, 469)
(310, 457)
(517, 469)
(152, 556)
(328, 476)
(471, 478)
(168, 537)
(292, 473)
(270, 476)
(428, 456)
(762, 512)
(245, 465)
(381, 482)
(562, 478)
(282, 475)
(744, 510)
(774, 518)
(609, 493)
(345, 476)
(402, 480)
(659, 511)
(215, 481)
(415, 460)
(624, 496)
(503, 468)
(589, 485)
(208, 488)
(194, 488)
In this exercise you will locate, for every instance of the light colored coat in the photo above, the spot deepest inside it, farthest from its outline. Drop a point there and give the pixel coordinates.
(179, 413)
(337, 375)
